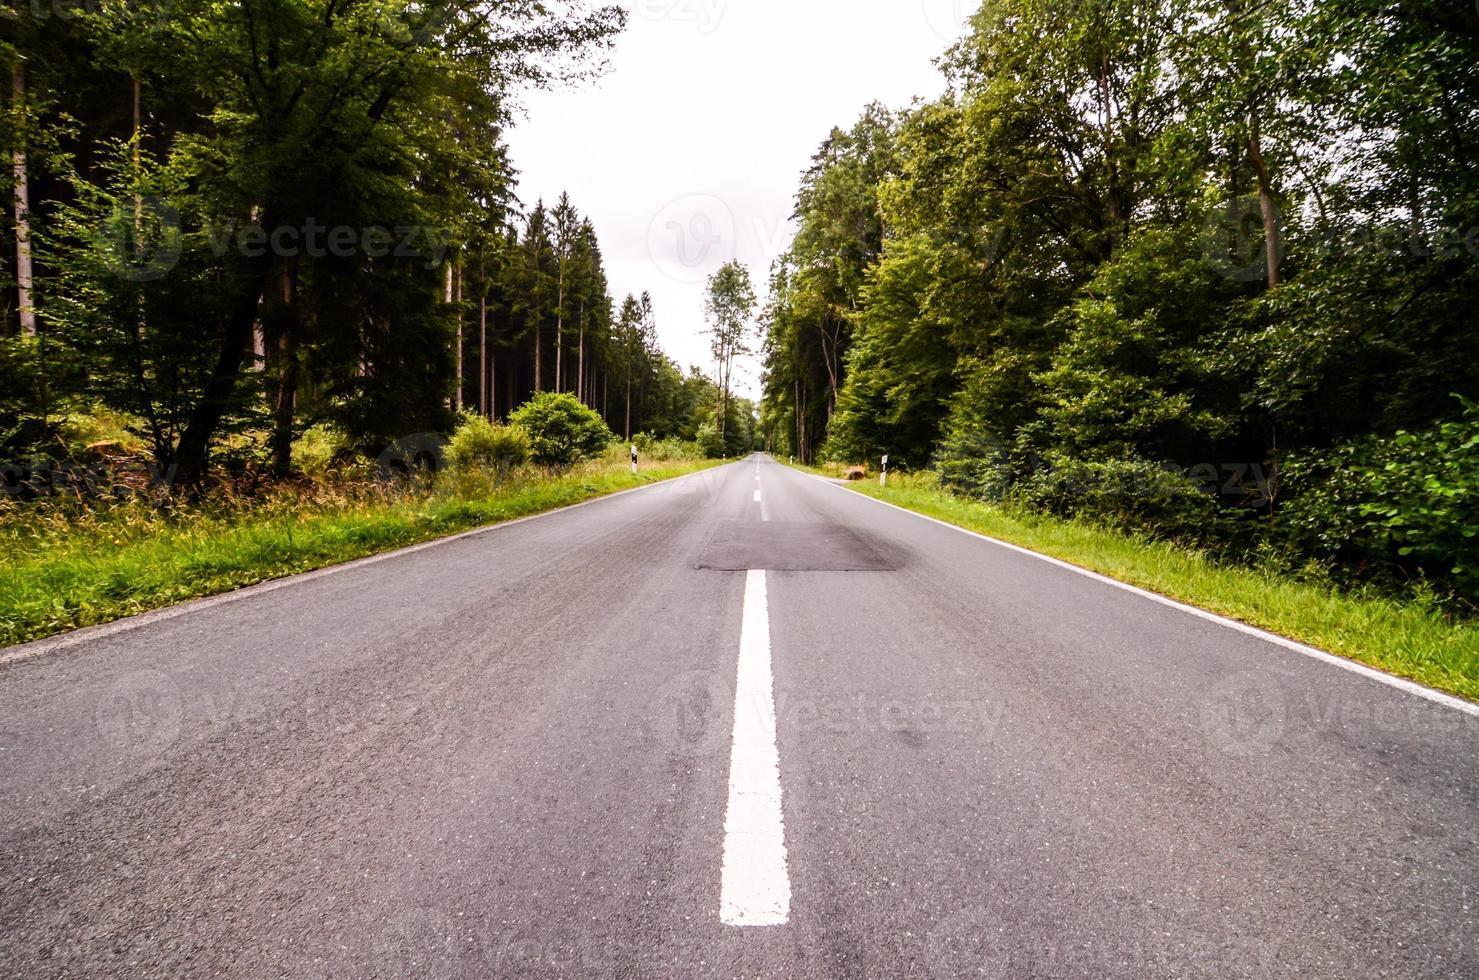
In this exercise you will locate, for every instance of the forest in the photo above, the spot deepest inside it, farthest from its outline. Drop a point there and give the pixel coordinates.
(1202, 270)
(238, 234)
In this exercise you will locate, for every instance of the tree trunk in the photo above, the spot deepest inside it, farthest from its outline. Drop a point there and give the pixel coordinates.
(23, 267)
(1272, 244)
(629, 407)
(580, 385)
(831, 361)
(560, 332)
(453, 286)
(1273, 247)
(726, 367)
(484, 406)
(193, 453)
(797, 405)
(538, 358)
(286, 400)
(138, 151)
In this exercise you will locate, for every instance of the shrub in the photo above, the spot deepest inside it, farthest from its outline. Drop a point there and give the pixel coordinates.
(562, 431)
(666, 450)
(99, 425)
(481, 444)
(1410, 502)
(1131, 494)
(318, 449)
(708, 440)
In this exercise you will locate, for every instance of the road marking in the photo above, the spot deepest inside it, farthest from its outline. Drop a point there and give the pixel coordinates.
(1314, 653)
(756, 887)
(757, 496)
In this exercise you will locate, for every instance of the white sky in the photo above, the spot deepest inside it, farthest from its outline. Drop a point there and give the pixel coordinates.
(689, 151)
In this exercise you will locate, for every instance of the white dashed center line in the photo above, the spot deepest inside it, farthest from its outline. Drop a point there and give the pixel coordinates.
(756, 886)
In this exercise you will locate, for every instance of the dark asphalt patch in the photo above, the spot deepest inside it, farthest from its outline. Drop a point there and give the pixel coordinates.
(741, 546)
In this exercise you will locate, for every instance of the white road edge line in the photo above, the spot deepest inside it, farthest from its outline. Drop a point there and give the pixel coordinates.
(756, 887)
(1371, 673)
(87, 634)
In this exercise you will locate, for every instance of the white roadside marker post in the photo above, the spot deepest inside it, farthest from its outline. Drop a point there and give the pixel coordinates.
(883, 477)
(634, 459)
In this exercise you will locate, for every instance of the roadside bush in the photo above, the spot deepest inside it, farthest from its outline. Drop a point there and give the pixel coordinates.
(1409, 502)
(480, 444)
(973, 464)
(562, 431)
(317, 450)
(708, 440)
(81, 431)
(1132, 494)
(667, 450)
(1128, 493)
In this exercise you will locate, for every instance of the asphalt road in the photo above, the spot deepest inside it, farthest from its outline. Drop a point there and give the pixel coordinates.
(743, 724)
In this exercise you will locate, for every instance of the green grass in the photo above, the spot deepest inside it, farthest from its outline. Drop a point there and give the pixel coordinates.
(64, 569)
(1409, 639)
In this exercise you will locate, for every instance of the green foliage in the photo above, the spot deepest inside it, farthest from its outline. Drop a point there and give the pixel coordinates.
(1410, 501)
(82, 430)
(900, 366)
(709, 441)
(561, 430)
(1136, 244)
(653, 449)
(274, 247)
(1128, 494)
(728, 306)
(480, 444)
(816, 286)
(319, 449)
(1128, 377)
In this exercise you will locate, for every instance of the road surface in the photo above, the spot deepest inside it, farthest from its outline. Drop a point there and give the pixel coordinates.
(742, 724)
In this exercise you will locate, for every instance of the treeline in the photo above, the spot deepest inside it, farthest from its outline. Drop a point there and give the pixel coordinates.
(1203, 268)
(227, 224)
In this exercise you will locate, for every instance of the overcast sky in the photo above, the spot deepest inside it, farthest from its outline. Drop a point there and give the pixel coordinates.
(688, 152)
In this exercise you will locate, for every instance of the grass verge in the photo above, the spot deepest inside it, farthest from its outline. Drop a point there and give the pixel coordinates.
(1408, 639)
(83, 570)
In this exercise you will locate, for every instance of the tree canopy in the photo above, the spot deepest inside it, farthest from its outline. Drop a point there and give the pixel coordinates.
(1146, 248)
(244, 220)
